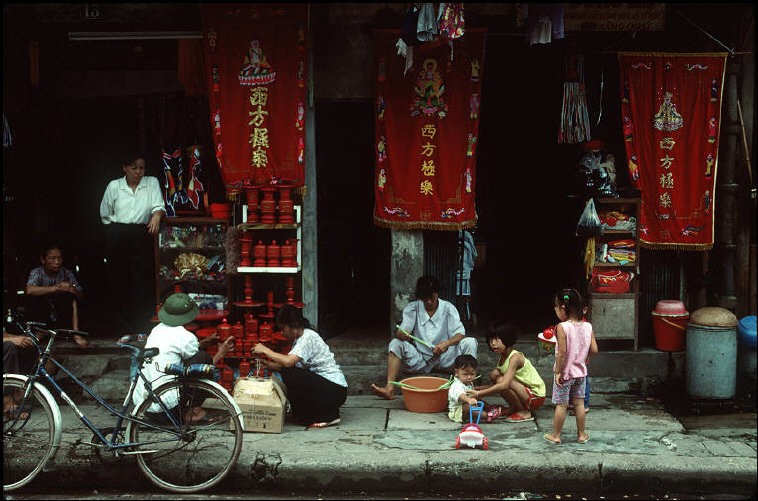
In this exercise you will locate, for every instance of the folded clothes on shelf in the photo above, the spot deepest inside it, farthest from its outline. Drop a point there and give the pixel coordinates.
(617, 251)
(613, 281)
(616, 220)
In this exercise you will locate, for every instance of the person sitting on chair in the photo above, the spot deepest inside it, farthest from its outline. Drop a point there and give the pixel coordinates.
(52, 293)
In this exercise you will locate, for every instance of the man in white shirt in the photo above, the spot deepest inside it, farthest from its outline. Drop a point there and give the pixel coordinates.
(131, 210)
(430, 336)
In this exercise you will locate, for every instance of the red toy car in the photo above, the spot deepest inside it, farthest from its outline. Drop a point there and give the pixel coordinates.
(471, 435)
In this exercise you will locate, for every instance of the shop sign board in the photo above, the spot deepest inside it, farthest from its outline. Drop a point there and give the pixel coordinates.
(614, 17)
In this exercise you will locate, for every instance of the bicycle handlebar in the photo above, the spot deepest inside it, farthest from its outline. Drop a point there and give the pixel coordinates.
(72, 332)
(131, 338)
(42, 327)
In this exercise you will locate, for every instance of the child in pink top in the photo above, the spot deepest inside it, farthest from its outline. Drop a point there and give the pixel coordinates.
(576, 345)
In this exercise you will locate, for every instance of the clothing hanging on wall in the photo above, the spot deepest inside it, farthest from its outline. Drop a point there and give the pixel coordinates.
(451, 21)
(426, 28)
(575, 120)
(544, 22)
(463, 282)
(7, 136)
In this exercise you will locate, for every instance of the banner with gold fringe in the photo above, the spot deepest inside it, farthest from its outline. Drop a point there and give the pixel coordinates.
(427, 125)
(671, 114)
(255, 64)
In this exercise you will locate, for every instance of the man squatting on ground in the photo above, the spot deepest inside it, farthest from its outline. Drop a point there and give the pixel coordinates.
(437, 324)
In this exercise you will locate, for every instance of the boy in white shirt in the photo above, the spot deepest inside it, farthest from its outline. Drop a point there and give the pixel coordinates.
(458, 402)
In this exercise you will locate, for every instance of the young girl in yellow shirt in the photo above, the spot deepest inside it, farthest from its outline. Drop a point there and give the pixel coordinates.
(514, 377)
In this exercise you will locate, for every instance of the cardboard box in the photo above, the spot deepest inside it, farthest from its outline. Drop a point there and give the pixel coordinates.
(262, 402)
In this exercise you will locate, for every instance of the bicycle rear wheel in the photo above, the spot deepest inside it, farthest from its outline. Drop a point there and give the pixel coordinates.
(28, 434)
(198, 454)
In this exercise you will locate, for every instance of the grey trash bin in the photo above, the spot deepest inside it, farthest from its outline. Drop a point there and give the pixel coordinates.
(712, 353)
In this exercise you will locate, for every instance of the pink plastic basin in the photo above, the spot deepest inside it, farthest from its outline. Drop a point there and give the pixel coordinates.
(670, 307)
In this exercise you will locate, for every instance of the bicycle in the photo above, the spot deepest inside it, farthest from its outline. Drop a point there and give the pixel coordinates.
(176, 452)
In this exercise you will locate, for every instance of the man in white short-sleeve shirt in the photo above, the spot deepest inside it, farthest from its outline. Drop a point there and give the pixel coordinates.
(439, 337)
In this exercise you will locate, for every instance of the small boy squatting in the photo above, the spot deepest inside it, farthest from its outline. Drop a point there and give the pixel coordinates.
(457, 398)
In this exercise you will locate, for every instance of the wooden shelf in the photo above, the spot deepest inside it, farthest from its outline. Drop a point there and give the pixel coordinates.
(191, 279)
(617, 232)
(262, 232)
(193, 249)
(191, 230)
(615, 316)
(268, 269)
(258, 226)
(622, 295)
(616, 201)
(633, 264)
(210, 315)
(173, 221)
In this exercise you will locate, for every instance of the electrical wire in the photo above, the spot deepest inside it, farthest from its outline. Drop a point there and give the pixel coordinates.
(602, 85)
(729, 49)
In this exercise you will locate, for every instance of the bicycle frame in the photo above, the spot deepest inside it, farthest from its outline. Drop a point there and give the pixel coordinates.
(122, 414)
(153, 430)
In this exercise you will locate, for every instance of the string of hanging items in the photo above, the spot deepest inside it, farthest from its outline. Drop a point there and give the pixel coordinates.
(575, 120)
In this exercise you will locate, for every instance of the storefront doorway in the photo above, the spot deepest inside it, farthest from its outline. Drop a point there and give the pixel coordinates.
(354, 254)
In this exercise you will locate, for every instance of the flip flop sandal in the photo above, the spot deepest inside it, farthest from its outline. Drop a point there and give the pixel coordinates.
(324, 424)
(584, 441)
(516, 418)
(494, 413)
(547, 437)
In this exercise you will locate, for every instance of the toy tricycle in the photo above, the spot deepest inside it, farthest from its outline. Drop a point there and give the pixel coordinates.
(471, 435)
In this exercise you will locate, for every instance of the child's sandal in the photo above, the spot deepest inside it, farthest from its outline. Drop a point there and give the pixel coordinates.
(495, 412)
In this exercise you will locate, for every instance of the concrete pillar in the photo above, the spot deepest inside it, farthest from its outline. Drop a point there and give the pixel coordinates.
(407, 264)
(310, 207)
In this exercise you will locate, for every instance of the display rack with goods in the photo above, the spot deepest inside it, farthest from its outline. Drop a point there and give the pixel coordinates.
(269, 271)
(614, 286)
(190, 257)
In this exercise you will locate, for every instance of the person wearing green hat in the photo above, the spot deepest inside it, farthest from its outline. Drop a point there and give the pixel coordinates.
(177, 345)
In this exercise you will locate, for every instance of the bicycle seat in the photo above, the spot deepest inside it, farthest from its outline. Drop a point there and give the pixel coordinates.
(136, 345)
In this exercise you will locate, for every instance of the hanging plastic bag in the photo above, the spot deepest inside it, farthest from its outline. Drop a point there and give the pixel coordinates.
(589, 222)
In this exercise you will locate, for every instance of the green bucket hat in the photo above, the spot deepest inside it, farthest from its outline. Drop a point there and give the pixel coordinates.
(179, 309)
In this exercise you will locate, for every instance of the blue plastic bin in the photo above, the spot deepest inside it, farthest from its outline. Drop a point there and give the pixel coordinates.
(711, 354)
(746, 364)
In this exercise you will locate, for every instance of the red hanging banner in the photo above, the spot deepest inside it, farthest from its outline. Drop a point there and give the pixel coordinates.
(255, 62)
(427, 125)
(671, 113)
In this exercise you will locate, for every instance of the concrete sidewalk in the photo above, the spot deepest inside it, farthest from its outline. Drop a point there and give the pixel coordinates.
(635, 447)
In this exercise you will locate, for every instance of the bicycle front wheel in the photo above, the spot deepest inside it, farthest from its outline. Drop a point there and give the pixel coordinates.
(202, 450)
(28, 433)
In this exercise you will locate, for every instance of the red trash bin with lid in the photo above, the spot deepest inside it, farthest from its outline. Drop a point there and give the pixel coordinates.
(670, 319)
